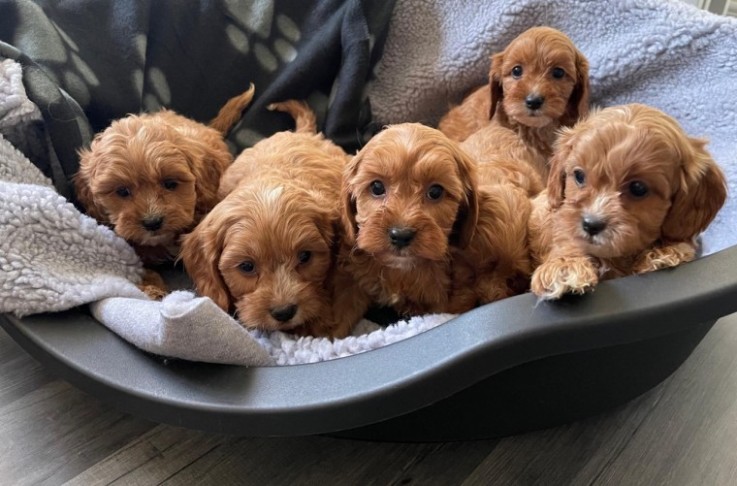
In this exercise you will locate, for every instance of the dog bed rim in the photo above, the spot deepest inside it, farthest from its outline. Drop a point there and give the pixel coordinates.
(387, 382)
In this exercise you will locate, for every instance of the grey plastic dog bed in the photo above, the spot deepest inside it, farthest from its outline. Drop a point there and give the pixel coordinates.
(504, 368)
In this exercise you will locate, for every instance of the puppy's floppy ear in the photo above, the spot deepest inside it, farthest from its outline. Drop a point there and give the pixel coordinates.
(348, 202)
(578, 102)
(701, 194)
(556, 184)
(88, 168)
(206, 165)
(467, 218)
(495, 83)
(200, 254)
(327, 218)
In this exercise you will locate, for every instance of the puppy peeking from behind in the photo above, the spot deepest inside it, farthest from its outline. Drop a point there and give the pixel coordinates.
(537, 85)
(628, 193)
(153, 176)
(496, 262)
(267, 250)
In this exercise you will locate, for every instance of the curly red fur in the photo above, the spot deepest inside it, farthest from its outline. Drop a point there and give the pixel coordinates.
(526, 69)
(269, 245)
(649, 187)
(153, 176)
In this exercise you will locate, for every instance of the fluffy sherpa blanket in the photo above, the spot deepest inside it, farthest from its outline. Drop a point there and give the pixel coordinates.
(662, 53)
(51, 257)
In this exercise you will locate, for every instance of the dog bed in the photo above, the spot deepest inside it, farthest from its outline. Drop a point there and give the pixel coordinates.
(506, 367)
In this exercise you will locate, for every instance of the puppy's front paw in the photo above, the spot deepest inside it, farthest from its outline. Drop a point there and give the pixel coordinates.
(325, 327)
(153, 285)
(560, 276)
(664, 257)
(154, 292)
(462, 300)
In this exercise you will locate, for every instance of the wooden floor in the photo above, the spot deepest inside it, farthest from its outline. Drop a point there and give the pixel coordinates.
(684, 432)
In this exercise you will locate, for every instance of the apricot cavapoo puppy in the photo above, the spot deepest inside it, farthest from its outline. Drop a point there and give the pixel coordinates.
(538, 84)
(628, 193)
(408, 196)
(267, 249)
(153, 176)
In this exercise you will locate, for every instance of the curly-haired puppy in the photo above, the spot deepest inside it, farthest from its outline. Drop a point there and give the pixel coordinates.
(409, 195)
(268, 248)
(153, 176)
(538, 84)
(628, 193)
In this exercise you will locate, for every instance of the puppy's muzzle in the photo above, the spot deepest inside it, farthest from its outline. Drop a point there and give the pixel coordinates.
(593, 225)
(152, 223)
(283, 313)
(401, 237)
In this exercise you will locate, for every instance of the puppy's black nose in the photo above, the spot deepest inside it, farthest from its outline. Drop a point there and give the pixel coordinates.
(283, 313)
(593, 226)
(152, 223)
(534, 102)
(401, 237)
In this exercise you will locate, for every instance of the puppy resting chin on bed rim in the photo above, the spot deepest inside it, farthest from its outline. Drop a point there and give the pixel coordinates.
(628, 193)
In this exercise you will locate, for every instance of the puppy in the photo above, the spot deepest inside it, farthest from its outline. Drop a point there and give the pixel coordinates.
(538, 84)
(628, 193)
(494, 168)
(267, 249)
(409, 195)
(153, 176)
(496, 263)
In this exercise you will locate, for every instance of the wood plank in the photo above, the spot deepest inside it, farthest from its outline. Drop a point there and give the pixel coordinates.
(149, 459)
(19, 373)
(571, 454)
(56, 431)
(692, 439)
(320, 460)
(301, 460)
(447, 463)
(682, 432)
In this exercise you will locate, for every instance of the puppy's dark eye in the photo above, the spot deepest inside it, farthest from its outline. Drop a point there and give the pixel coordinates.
(123, 191)
(580, 177)
(517, 71)
(170, 184)
(377, 188)
(304, 256)
(247, 267)
(638, 189)
(558, 73)
(435, 192)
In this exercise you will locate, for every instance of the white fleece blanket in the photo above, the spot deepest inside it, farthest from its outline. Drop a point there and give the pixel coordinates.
(667, 54)
(52, 258)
